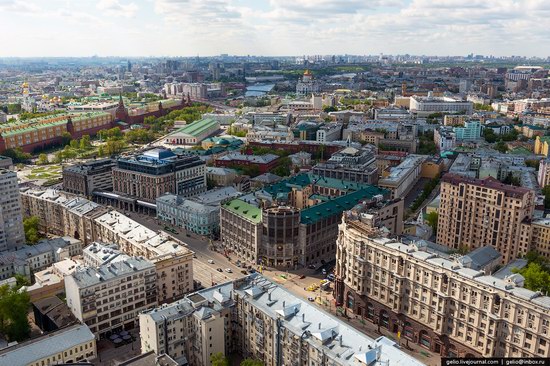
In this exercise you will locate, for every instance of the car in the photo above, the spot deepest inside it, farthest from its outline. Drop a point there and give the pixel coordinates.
(219, 269)
(311, 266)
(302, 277)
(228, 270)
(311, 298)
(194, 255)
(331, 277)
(210, 261)
(251, 270)
(324, 271)
(244, 272)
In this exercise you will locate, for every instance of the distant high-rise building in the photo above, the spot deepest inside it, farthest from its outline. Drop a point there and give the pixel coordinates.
(12, 235)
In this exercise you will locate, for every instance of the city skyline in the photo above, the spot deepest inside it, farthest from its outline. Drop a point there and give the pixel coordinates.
(275, 27)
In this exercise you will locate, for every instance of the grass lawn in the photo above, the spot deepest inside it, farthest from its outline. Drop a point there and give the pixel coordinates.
(46, 172)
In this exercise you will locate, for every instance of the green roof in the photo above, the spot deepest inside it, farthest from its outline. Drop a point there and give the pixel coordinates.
(34, 124)
(305, 179)
(198, 127)
(338, 205)
(243, 209)
(520, 150)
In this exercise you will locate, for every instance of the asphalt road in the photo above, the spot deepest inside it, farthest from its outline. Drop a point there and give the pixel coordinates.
(207, 273)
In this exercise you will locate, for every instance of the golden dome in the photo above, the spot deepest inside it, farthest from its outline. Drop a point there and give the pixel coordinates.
(307, 73)
(25, 85)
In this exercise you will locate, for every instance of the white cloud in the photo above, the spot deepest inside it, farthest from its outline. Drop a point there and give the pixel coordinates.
(116, 8)
(18, 6)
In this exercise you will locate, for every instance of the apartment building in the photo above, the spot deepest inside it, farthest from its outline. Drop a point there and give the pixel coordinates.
(403, 177)
(470, 131)
(83, 179)
(258, 319)
(156, 172)
(171, 257)
(477, 212)
(64, 214)
(537, 236)
(68, 345)
(110, 297)
(444, 138)
(543, 176)
(61, 213)
(12, 235)
(450, 305)
(30, 259)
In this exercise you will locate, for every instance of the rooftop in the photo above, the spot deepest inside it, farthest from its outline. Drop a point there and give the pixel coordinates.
(488, 182)
(198, 127)
(241, 208)
(88, 276)
(338, 205)
(48, 345)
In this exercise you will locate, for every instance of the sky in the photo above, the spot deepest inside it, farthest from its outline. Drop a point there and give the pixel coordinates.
(31, 28)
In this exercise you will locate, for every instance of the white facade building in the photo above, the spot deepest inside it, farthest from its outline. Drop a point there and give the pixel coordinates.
(12, 235)
(110, 297)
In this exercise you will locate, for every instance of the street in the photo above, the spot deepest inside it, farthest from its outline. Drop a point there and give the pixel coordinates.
(207, 274)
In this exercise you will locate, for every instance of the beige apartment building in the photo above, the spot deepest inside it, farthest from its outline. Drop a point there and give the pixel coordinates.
(258, 319)
(477, 212)
(450, 305)
(62, 214)
(110, 297)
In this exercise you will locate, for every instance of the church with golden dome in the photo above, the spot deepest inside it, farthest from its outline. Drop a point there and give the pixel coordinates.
(307, 85)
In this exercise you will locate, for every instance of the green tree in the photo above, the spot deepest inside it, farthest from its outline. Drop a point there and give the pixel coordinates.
(14, 306)
(537, 278)
(14, 108)
(113, 147)
(219, 359)
(85, 142)
(66, 138)
(283, 167)
(100, 151)
(546, 192)
(251, 362)
(17, 155)
(74, 144)
(431, 218)
(42, 159)
(489, 135)
(140, 136)
(328, 109)
(210, 183)
(21, 281)
(30, 226)
(501, 147)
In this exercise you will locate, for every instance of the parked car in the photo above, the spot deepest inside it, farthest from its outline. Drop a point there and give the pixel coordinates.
(244, 272)
(331, 277)
(210, 261)
(251, 270)
(219, 269)
(228, 270)
(302, 277)
(311, 298)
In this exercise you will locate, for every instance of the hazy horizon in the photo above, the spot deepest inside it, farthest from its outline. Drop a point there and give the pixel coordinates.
(187, 28)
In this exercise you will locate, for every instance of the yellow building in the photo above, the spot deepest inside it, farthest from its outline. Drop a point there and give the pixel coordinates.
(542, 145)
